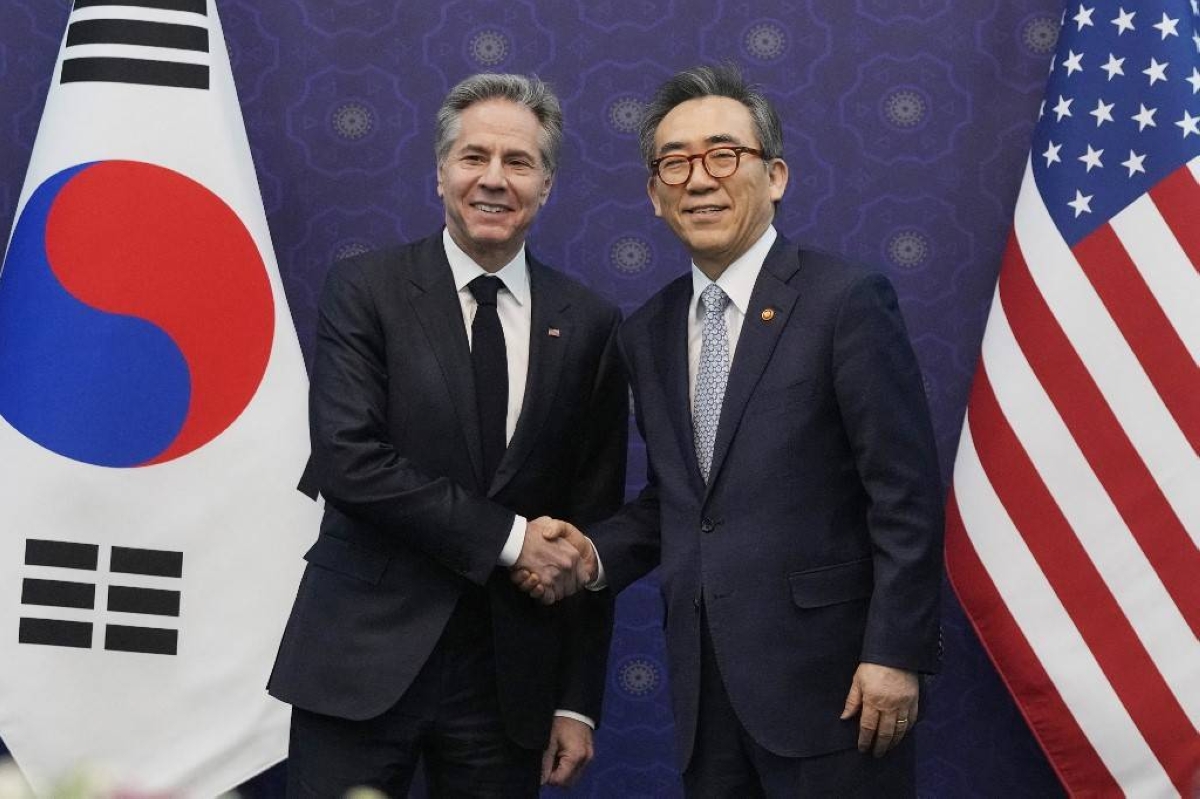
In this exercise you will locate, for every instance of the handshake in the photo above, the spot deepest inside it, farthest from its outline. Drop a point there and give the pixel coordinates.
(556, 560)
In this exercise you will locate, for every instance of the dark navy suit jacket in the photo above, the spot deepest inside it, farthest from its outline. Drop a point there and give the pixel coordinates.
(817, 542)
(409, 523)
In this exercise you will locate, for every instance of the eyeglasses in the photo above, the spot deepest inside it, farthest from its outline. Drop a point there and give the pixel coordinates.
(719, 162)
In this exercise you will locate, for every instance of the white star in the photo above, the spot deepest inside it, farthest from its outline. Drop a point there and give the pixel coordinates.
(1145, 117)
(1124, 21)
(1196, 39)
(1167, 26)
(1063, 109)
(1042, 109)
(1134, 164)
(1051, 154)
(1196, 7)
(1092, 158)
(1073, 62)
(1081, 204)
(1189, 124)
(1113, 67)
(1194, 80)
(1156, 71)
(1084, 17)
(1102, 112)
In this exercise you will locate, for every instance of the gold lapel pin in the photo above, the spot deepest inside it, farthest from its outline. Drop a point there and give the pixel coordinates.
(768, 314)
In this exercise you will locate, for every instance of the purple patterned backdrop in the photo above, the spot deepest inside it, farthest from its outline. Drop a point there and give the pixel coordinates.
(907, 122)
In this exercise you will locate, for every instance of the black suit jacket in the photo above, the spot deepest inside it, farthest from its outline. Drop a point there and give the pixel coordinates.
(817, 542)
(409, 524)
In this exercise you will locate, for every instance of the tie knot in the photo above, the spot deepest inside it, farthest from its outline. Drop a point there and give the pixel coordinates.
(714, 298)
(485, 288)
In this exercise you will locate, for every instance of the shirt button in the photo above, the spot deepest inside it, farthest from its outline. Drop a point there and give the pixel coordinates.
(706, 525)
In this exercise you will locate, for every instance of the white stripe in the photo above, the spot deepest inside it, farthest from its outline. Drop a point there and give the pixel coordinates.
(1194, 166)
(141, 52)
(1053, 637)
(1088, 509)
(1162, 263)
(1107, 356)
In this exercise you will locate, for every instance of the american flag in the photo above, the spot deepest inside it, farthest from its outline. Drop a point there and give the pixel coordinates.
(1074, 518)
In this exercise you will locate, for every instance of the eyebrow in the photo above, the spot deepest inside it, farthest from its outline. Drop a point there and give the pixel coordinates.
(716, 138)
(469, 147)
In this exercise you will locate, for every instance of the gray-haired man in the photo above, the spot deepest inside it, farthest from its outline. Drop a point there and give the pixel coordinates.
(459, 390)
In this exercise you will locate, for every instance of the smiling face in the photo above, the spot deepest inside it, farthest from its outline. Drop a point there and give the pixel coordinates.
(718, 220)
(492, 181)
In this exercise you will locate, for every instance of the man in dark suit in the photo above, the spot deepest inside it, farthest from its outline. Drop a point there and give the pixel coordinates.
(459, 390)
(794, 500)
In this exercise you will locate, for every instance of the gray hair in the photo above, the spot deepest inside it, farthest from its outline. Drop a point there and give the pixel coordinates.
(723, 80)
(529, 92)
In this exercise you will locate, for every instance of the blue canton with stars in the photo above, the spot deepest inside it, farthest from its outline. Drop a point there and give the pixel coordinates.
(1122, 108)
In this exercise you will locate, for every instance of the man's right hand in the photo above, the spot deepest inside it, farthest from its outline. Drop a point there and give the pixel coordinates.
(549, 562)
(554, 530)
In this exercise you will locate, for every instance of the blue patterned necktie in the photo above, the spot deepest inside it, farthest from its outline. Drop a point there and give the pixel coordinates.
(712, 375)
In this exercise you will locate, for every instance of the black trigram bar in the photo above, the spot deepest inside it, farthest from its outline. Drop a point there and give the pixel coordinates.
(154, 562)
(135, 31)
(135, 70)
(62, 554)
(56, 632)
(148, 640)
(125, 599)
(195, 6)
(58, 593)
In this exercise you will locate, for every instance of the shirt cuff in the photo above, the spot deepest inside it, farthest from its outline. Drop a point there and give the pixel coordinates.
(570, 714)
(601, 581)
(516, 539)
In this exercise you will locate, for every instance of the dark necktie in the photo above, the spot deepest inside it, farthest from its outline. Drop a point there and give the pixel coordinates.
(489, 360)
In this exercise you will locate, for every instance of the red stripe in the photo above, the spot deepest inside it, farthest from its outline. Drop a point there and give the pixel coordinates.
(1177, 198)
(1151, 336)
(1071, 755)
(1081, 589)
(1101, 439)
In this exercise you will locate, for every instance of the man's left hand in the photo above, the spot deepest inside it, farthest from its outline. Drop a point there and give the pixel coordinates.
(887, 701)
(568, 753)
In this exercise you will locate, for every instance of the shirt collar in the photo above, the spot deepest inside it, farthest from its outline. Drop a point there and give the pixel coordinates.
(515, 273)
(737, 281)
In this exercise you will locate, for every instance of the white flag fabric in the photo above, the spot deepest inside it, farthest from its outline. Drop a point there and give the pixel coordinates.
(152, 421)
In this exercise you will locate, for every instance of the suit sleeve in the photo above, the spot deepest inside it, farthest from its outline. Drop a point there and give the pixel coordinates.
(358, 469)
(629, 542)
(597, 488)
(882, 401)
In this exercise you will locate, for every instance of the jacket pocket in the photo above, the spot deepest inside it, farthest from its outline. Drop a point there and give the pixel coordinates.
(346, 558)
(830, 585)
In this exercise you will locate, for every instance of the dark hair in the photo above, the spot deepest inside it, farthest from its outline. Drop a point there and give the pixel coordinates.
(529, 92)
(723, 80)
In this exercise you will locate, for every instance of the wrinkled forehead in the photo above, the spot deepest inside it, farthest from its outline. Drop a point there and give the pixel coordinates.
(705, 122)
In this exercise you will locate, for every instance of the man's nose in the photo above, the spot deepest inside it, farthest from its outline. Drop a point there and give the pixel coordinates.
(493, 174)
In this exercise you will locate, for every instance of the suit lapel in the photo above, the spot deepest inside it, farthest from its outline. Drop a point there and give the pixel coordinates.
(672, 362)
(435, 301)
(756, 343)
(547, 352)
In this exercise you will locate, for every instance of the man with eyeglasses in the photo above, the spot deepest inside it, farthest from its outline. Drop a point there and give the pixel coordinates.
(461, 391)
(794, 502)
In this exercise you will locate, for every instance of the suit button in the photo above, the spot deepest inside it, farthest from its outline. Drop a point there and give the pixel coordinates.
(696, 604)
(706, 525)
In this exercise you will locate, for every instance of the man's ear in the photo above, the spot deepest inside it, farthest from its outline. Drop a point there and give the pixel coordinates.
(777, 175)
(547, 184)
(651, 185)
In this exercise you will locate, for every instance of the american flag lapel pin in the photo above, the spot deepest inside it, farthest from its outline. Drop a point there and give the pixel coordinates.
(554, 332)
